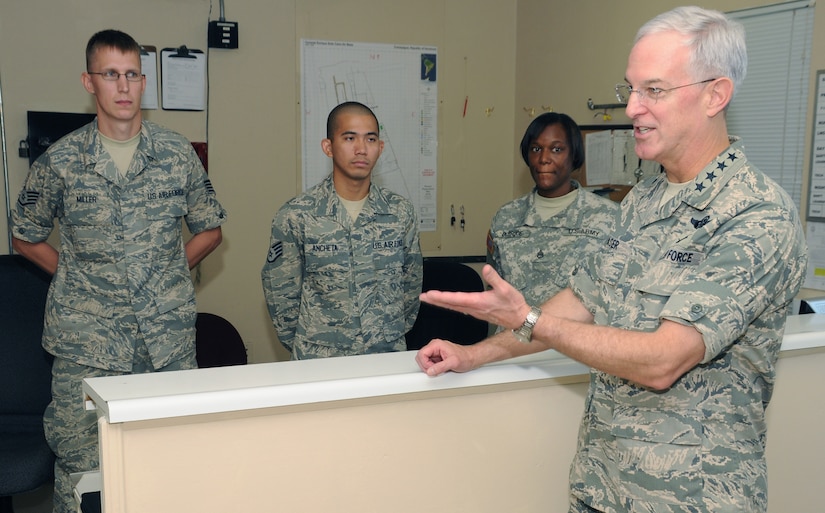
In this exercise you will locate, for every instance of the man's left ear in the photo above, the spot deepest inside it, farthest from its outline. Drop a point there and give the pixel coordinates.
(721, 94)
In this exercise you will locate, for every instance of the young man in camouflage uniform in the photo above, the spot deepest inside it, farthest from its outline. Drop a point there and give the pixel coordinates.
(535, 241)
(680, 315)
(344, 268)
(121, 299)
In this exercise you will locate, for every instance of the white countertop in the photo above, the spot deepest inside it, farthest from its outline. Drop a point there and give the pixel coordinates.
(804, 332)
(225, 389)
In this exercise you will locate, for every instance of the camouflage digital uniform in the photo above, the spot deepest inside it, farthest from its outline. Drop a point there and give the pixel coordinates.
(122, 286)
(338, 287)
(726, 256)
(538, 256)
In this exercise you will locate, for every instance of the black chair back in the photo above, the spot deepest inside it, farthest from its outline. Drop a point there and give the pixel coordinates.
(434, 322)
(26, 462)
(217, 342)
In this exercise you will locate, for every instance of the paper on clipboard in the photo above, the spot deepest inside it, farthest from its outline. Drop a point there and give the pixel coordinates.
(183, 78)
(149, 67)
(599, 157)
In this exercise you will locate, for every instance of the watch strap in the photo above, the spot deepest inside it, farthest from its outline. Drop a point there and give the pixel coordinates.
(525, 332)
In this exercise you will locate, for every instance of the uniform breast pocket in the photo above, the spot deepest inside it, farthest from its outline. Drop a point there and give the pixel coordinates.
(388, 263)
(174, 208)
(327, 267)
(164, 222)
(559, 268)
(88, 205)
(609, 267)
(163, 197)
(90, 221)
(655, 287)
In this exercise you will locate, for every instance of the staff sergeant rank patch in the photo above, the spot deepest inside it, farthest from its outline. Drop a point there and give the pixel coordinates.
(275, 251)
(28, 198)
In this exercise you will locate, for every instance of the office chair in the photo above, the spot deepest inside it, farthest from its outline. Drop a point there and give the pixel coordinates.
(26, 461)
(434, 322)
(217, 342)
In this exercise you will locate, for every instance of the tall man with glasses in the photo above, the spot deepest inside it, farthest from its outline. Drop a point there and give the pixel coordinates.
(680, 315)
(121, 299)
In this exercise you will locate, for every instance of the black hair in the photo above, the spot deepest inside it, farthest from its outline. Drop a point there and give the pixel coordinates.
(355, 107)
(571, 130)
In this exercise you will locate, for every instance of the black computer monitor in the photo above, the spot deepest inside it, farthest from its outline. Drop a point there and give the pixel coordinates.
(45, 128)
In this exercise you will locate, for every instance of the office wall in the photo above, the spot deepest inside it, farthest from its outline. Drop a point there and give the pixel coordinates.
(504, 56)
(253, 117)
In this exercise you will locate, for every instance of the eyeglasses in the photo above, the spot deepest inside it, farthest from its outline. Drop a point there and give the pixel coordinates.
(114, 76)
(623, 91)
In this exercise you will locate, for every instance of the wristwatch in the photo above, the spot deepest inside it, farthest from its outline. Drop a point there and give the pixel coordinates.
(525, 333)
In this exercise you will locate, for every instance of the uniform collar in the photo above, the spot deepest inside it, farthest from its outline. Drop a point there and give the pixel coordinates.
(709, 182)
(327, 203)
(93, 146)
(531, 216)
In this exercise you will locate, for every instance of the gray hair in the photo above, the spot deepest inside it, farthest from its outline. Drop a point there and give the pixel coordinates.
(716, 42)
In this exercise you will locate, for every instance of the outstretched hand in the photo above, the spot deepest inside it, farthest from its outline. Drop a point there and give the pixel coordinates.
(502, 304)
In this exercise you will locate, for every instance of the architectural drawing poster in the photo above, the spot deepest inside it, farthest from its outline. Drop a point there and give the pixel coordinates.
(398, 82)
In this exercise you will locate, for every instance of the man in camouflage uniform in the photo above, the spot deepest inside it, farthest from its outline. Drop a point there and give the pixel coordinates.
(344, 267)
(535, 241)
(121, 299)
(681, 314)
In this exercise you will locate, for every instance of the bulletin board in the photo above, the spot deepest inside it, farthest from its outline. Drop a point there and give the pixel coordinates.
(615, 192)
(614, 166)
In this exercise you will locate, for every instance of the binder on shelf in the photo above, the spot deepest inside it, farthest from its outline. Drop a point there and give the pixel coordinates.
(183, 78)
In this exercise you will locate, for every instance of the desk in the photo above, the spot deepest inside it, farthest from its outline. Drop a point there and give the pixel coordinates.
(372, 433)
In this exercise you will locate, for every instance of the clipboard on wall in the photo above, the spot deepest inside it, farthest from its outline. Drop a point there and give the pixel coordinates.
(149, 67)
(183, 78)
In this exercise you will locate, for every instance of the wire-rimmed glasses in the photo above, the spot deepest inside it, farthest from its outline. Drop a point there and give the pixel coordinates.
(113, 76)
(623, 91)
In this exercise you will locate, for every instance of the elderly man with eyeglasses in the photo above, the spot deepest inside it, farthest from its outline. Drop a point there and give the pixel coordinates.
(122, 299)
(680, 315)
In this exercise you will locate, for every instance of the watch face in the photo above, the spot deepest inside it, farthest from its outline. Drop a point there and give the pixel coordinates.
(520, 336)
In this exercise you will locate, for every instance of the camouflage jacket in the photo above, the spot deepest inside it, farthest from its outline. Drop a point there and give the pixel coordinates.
(727, 256)
(121, 243)
(538, 256)
(337, 287)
